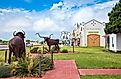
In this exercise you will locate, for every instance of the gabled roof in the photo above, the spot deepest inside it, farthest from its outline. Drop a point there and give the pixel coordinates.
(93, 21)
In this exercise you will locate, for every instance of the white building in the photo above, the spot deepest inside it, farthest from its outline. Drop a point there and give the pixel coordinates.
(115, 42)
(90, 33)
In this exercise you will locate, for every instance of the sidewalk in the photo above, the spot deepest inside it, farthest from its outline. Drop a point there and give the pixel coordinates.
(64, 69)
(99, 71)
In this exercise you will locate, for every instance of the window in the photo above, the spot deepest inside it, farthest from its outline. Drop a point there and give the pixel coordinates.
(112, 42)
(81, 28)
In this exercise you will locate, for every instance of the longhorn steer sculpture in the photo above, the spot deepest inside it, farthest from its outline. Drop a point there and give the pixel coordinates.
(17, 45)
(50, 41)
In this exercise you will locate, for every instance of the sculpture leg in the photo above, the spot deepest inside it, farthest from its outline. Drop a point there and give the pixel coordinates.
(58, 49)
(49, 48)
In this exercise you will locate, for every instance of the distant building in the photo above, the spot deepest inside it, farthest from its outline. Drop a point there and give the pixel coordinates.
(89, 34)
(65, 38)
(114, 42)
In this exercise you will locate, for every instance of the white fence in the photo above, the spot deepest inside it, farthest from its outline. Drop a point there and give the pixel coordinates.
(5, 48)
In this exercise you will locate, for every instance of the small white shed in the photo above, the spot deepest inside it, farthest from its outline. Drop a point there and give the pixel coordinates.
(115, 42)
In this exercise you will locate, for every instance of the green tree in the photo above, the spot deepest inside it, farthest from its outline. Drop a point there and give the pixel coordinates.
(28, 41)
(0, 41)
(114, 25)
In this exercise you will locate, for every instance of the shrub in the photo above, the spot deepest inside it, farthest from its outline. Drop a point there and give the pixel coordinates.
(39, 50)
(34, 50)
(64, 51)
(28, 67)
(45, 50)
(5, 71)
(46, 64)
(55, 49)
(13, 58)
(25, 67)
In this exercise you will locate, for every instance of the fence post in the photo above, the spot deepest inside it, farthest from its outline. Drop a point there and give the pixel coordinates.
(5, 55)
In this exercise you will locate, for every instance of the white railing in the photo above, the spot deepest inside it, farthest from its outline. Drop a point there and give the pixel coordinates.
(5, 48)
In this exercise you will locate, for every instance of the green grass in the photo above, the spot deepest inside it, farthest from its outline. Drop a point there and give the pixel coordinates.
(101, 77)
(89, 57)
(92, 57)
(2, 54)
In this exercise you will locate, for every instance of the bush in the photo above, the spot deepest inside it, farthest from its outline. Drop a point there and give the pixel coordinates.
(46, 64)
(64, 51)
(55, 49)
(28, 67)
(35, 50)
(39, 50)
(45, 50)
(13, 58)
(5, 71)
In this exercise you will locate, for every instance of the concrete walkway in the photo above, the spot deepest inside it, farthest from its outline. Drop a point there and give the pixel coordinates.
(99, 71)
(64, 69)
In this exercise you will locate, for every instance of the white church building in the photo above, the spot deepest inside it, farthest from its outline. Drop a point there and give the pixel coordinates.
(89, 33)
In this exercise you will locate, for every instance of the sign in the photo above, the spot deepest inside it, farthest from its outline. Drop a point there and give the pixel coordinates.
(93, 28)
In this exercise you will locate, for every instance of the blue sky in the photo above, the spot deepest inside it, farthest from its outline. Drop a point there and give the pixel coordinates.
(49, 16)
(30, 5)
(39, 5)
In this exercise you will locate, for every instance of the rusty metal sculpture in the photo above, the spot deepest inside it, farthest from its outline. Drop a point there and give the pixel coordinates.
(17, 45)
(50, 41)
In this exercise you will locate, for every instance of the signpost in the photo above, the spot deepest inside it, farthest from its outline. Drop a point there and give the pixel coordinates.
(52, 51)
(73, 39)
(73, 46)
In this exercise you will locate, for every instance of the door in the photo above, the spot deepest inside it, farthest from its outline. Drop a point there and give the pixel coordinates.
(93, 40)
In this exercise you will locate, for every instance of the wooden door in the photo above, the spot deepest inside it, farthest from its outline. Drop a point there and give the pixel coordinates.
(93, 40)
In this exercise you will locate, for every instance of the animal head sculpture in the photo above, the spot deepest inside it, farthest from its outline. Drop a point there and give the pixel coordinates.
(20, 34)
(45, 38)
(50, 41)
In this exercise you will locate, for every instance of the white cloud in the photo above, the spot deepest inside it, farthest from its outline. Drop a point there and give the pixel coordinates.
(83, 15)
(106, 4)
(55, 6)
(45, 25)
(54, 20)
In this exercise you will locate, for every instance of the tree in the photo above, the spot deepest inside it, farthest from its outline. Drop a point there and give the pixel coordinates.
(114, 25)
(0, 40)
(28, 41)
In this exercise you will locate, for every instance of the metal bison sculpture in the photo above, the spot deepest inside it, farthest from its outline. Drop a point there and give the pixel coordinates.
(50, 41)
(17, 45)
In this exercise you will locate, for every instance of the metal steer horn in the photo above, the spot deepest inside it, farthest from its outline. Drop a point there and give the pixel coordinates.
(39, 35)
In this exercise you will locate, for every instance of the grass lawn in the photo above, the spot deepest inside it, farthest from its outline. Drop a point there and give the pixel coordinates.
(92, 57)
(2, 54)
(89, 57)
(101, 77)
